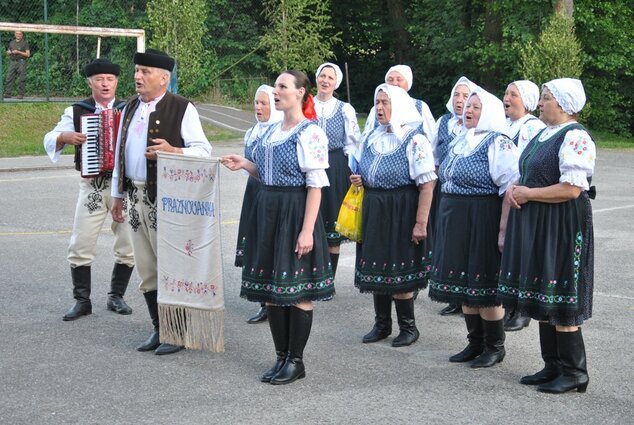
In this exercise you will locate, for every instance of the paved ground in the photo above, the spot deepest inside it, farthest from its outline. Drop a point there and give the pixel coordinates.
(88, 372)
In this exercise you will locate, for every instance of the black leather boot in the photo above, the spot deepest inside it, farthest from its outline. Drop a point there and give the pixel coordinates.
(548, 345)
(118, 285)
(451, 309)
(279, 322)
(382, 320)
(475, 335)
(573, 368)
(516, 322)
(407, 325)
(260, 316)
(293, 369)
(81, 293)
(152, 342)
(493, 344)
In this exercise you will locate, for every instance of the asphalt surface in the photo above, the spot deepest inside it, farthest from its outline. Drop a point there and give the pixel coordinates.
(88, 371)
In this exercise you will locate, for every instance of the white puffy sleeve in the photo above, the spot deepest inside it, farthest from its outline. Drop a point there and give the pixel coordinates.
(527, 132)
(196, 143)
(576, 158)
(503, 162)
(430, 128)
(312, 155)
(353, 133)
(422, 168)
(50, 139)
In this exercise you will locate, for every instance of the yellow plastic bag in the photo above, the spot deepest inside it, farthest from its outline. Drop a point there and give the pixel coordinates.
(349, 219)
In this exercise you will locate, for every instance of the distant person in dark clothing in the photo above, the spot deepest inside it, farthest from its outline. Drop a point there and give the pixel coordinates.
(18, 51)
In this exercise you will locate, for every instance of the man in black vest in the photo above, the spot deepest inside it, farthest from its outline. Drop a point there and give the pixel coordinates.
(94, 201)
(154, 121)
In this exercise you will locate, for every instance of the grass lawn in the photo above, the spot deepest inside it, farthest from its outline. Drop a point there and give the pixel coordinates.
(23, 125)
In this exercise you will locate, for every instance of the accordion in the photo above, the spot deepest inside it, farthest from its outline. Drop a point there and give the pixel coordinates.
(97, 153)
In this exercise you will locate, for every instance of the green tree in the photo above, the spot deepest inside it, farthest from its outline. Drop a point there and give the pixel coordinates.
(556, 54)
(178, 27)
(300, 34)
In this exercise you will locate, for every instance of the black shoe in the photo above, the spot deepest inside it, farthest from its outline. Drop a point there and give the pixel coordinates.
(260, 316)
(572, 361)
(165, 348)
(293, 369)
(516, 322)
(548, 345)
(451, 309)
(150, 344)
(475, 335)
(269, 374)
(78, 310)
(117, 304)
(494, 351)
(382, 321)
(407, 325)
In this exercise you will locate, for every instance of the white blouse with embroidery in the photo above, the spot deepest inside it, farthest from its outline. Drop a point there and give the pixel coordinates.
(312, 152)
(577, 155)
(502, 154)
(352, 131)
(419, 152)
(527, 129)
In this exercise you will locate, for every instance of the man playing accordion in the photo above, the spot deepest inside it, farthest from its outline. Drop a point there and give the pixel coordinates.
(94, 201)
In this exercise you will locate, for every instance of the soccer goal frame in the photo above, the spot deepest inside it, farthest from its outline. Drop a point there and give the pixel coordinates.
(98, 32)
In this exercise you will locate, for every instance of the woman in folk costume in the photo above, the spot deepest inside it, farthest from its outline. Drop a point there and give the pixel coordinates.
(265, 115)
(547, 266)
(401, 76)
(286, 262)
(520, 99)
(339, 120)
(396, 168)
(449, 126)
(480, 164)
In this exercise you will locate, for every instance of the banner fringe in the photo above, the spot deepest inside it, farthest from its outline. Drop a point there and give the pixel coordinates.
(194, 328)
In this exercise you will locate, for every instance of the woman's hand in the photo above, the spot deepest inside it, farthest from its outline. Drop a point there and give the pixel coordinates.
(519, 196)
(510, 199)
(419, 233)
(304, 243)
(233, 162)
(356, 180)
(501, 237)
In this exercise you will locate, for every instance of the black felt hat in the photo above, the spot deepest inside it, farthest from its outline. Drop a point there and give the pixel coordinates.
(101, 66)
(155, 58)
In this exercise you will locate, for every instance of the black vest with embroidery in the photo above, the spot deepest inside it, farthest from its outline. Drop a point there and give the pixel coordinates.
(83, 107)
(164, 123)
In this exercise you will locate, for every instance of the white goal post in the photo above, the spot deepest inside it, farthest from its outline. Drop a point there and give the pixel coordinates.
(98, 32)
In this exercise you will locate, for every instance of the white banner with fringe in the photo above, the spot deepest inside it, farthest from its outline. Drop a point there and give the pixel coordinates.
(190, 287)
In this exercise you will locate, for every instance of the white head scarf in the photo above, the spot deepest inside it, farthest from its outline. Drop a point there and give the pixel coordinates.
(492, 116)
(569, 94)
(462, 81)
(529, 93)
(405, 71)
(276, 115)
(404, 113)
(338, 72)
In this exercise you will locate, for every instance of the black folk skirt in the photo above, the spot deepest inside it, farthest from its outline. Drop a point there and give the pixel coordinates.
(466, 256)
(332, 196)
(548, 261)
(272, 273)
(250, 192)
(388, 262)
